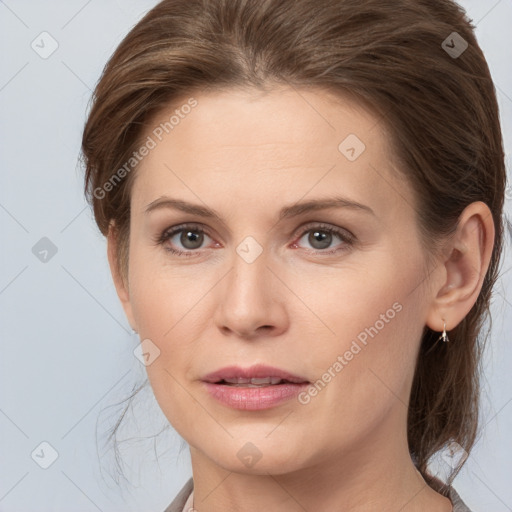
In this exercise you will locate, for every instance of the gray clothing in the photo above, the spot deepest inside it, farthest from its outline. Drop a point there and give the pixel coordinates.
(179, 502)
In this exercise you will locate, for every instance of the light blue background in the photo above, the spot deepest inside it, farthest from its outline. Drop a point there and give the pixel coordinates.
(67, 349)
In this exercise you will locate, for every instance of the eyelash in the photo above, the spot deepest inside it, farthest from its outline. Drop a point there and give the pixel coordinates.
(167, 234)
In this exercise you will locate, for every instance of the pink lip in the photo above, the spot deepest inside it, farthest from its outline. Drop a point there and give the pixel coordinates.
(250, 398)
(254, 399)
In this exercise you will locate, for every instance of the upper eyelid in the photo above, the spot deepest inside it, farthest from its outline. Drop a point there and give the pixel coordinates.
(304, 227)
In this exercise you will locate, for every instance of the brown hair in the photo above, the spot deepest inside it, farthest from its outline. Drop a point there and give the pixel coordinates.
(439, 109)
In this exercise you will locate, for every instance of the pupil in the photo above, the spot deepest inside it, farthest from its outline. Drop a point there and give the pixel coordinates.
(321, 238)
(191, 240)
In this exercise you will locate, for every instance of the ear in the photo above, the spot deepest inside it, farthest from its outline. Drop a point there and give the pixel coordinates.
(120, 284)
(462, 272)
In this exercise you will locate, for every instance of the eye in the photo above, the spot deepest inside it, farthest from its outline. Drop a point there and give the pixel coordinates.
(321, 236)
(188, 236)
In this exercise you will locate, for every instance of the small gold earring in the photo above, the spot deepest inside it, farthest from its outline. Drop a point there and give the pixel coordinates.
(444, 336)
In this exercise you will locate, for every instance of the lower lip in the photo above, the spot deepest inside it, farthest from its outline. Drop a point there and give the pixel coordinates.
(254, 399)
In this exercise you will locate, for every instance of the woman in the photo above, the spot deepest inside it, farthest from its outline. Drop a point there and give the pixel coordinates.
(303, 207)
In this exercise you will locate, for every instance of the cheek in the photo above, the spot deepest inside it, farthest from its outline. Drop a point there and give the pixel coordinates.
(160, 296)
(163, 307)
(377, 323)
(176, 401)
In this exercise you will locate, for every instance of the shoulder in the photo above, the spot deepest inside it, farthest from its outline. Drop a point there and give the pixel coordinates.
(458, 504)
(450, 493)
(181, 498)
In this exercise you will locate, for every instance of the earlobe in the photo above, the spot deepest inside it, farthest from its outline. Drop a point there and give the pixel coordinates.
(121, 286)
(464, 268)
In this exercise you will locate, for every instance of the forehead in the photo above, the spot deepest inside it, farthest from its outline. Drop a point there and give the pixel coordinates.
(282, 144)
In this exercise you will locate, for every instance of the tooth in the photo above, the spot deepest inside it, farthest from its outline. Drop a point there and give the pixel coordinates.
(238, 380)
(259, 381)
(254, 382)
(265, 380)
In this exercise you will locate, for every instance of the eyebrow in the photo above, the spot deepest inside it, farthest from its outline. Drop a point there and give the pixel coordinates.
(285, 213)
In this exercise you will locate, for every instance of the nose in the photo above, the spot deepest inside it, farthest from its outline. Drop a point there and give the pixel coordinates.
(251, 301)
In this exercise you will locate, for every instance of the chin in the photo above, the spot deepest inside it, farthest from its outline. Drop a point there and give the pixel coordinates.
(258, 457)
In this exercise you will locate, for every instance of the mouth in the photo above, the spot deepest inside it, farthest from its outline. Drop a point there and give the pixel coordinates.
(256, 388)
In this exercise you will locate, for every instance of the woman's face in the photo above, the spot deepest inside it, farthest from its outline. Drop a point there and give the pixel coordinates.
(334, 295)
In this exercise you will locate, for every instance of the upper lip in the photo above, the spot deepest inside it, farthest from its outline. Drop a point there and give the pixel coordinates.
(256, 371)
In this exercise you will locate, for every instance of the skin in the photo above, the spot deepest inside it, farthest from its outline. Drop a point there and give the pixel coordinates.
(246, 155)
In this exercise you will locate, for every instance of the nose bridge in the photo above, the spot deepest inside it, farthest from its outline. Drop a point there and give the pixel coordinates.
(249, 277)
(249, 298)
